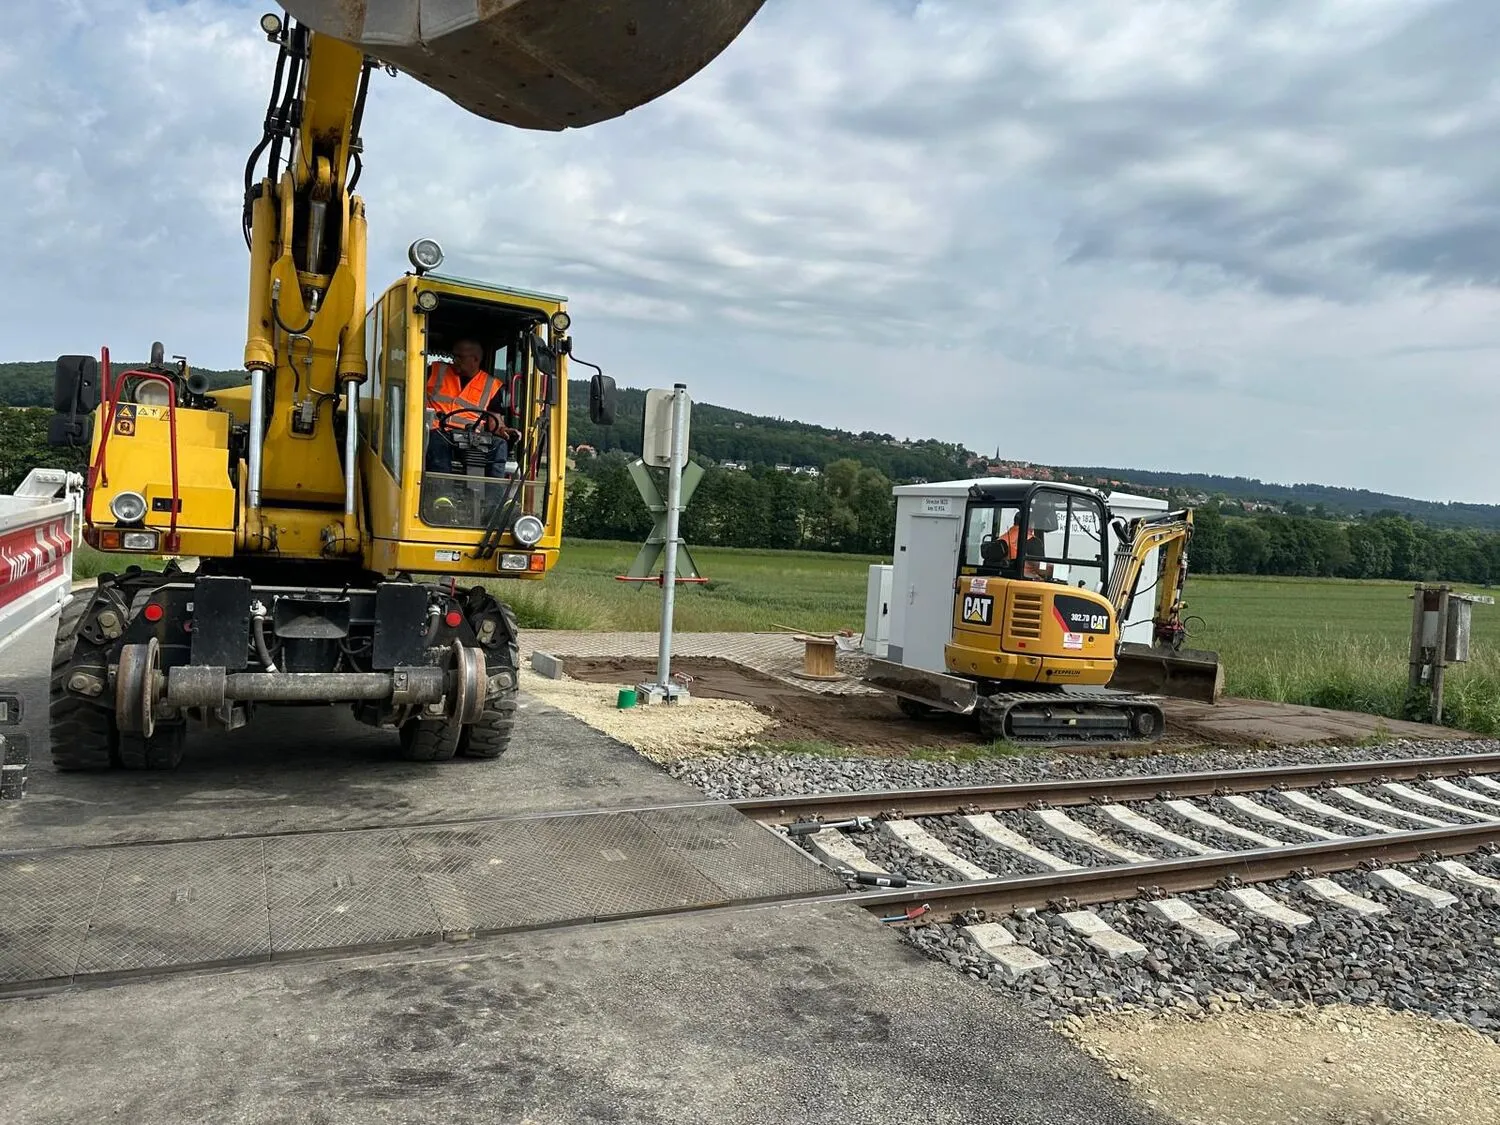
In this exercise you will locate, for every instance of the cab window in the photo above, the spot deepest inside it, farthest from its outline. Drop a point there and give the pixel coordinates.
(985, 530)
(1071, 533)
(393, 383)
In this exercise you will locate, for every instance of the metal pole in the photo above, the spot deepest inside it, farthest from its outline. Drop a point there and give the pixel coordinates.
(669, 562)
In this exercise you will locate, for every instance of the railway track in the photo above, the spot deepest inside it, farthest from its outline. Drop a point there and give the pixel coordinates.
(974, 857)
(972, 860)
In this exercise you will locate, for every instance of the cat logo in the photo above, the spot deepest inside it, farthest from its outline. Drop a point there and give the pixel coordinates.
(978, 609)
(125, 419)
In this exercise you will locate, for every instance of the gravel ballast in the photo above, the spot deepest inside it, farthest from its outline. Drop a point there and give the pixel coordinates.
(753, 774)
(1444, 963)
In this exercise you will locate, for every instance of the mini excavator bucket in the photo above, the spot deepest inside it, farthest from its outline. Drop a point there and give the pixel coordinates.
(1184, 674)
(538, 64)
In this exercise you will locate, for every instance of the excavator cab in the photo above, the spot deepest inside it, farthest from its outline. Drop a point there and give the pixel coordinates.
(1036, 533)
(458, 449)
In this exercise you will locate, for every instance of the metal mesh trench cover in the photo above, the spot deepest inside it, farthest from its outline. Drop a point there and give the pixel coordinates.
(100, 912)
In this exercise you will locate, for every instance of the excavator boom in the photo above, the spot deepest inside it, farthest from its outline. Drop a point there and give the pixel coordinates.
(538, 64)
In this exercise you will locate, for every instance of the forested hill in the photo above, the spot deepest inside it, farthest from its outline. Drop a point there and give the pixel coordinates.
(1300, 499)
(718, 435)
(737, 439)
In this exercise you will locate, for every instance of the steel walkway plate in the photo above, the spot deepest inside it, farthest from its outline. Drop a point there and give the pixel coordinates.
(77, 914)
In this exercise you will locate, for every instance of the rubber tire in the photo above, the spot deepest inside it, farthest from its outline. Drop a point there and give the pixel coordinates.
(490, 736)
(162, 751)
(83, 734)
(427, 740)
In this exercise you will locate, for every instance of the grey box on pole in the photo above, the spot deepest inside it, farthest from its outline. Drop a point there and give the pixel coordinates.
(656, 434)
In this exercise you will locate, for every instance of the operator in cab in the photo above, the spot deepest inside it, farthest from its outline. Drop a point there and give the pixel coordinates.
(462, 391)
(1034, 547)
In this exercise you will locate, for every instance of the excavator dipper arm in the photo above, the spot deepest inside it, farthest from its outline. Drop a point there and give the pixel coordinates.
(1163, 666)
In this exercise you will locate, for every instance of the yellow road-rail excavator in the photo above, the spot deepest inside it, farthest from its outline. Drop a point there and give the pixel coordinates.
(1032, 643)
(384, 459)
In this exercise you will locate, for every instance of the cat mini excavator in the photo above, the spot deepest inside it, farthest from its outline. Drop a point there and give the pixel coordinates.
(344, 510)
(1033, 646)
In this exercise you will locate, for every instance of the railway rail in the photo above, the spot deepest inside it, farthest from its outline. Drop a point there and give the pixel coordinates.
(1450, 819)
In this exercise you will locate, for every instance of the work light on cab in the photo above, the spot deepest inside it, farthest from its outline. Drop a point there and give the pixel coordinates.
(425, 254)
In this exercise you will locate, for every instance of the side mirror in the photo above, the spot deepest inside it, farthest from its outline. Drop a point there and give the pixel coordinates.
(75, 384)
(602, 400)
(70, 430)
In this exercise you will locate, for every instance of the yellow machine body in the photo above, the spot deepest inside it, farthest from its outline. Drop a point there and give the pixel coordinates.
(1029, 641)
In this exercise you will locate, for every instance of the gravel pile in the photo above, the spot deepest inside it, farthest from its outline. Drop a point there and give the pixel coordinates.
(1444, 962)
(731, 776)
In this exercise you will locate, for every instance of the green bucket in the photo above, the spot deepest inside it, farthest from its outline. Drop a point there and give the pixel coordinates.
(626, 699)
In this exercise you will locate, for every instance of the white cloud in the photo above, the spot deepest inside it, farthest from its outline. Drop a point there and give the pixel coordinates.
(1253, 239)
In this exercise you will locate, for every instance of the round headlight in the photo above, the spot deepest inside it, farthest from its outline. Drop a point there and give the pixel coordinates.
(425, 254)
(561, 321)
(527, 531)
(427, 300)
(128, 507)
(270, 23)
(152, 393)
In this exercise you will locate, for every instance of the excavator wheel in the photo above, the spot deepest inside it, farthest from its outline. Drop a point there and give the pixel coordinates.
(161, 751)
(83, 735)
(427, 740)
(489, 737)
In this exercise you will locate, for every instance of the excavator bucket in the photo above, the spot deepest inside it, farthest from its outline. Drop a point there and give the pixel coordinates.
(1184, 674)
(538, 64)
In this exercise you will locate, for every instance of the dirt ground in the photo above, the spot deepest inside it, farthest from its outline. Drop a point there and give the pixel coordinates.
(871, 722)
(1337, 1065)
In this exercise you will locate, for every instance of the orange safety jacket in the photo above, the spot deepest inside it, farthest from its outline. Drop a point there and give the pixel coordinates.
(447, 394)
(1013, 538)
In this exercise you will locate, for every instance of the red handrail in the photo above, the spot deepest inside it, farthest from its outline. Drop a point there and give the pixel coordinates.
(98, 471)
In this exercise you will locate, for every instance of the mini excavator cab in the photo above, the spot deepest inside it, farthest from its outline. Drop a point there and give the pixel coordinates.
(1038, 533)
(1029, 603)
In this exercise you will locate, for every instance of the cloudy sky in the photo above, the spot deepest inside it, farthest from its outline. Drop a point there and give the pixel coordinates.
(1254, 238)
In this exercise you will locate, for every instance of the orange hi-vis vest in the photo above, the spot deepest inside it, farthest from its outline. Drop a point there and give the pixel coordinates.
(1013, 537)
(462, 403)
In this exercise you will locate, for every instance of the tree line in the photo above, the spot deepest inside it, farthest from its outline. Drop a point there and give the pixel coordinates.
(1388, 545)
(848, 509)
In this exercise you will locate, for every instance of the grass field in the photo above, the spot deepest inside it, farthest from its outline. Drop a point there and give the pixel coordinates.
(1325, 642)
